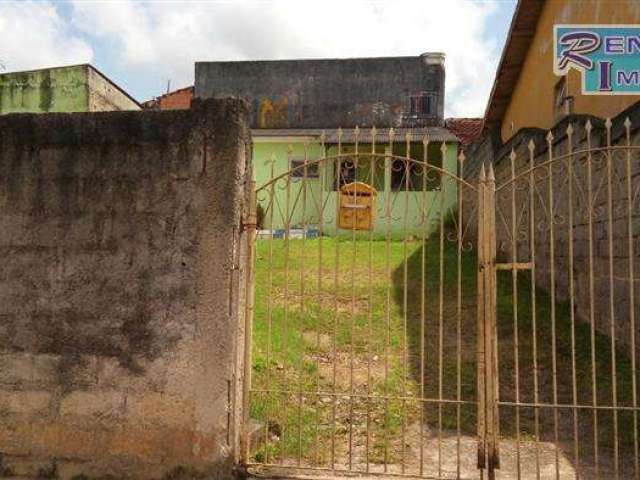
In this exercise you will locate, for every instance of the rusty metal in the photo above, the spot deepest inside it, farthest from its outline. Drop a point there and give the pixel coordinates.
(552, 293)
(514, 266)
(372, 181)
(612, 315)
(631, 271)
(250, 233)
(405, 299)
(423, 300)
(574, 380)
(488, 419)
(336, 270)
(354, 226)
(441, 215)
(480, 325)
(592, 299)
(377, 320)
(532, 254)
(459, 273)
(354, 426)
(573, 242)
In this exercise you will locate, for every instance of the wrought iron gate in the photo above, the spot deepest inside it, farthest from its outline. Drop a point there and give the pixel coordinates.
(567, 225)
(438, 337)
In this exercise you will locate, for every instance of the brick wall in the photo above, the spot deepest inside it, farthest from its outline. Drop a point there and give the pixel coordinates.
(177, 100)
(119, 292)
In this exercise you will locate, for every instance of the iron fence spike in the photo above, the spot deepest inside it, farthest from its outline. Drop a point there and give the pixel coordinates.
(570, 129)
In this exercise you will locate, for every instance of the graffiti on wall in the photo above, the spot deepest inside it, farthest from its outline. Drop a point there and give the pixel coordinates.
(273, 112)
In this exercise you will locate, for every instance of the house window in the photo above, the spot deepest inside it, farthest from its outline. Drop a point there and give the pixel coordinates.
(562, 101)
(349, 172)
(298, 170)
(346, 174)
(423, 105)
(410, 176)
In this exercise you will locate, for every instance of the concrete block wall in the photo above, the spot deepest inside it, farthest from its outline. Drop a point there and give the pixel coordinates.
(121, 238)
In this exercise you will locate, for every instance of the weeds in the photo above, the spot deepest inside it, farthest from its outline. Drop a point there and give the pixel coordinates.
(346, 320)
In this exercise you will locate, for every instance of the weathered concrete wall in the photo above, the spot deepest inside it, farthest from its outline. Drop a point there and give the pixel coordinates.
(120, 235)
(105, 96)
(385, 92)
(552, 226)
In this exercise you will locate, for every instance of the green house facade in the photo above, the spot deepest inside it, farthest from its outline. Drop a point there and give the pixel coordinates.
(76, 88)
(407, 201)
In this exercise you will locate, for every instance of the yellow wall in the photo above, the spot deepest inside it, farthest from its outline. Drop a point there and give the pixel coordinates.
(532, 100)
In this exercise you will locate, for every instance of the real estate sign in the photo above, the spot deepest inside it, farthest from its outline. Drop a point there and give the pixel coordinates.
(607, 55)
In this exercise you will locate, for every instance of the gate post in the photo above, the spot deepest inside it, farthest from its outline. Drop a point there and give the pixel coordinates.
(487, 351)
(480, 356)
(250, 225)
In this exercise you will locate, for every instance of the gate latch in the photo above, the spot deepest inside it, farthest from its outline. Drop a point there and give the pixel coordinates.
(514, 266)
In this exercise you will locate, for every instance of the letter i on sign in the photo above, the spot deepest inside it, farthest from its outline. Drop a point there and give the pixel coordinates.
(605, 77)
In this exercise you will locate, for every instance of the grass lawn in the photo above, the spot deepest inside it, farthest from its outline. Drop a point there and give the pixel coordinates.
(326, 320)
(339, 320)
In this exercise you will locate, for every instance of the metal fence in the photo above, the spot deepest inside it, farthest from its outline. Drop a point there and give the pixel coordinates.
(409, 322)
(567, 344)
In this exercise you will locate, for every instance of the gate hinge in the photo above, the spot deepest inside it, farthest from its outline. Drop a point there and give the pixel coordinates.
(249, 221)
(248, 225)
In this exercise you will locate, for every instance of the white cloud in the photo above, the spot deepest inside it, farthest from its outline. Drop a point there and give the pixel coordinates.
(33, 35)
(162, 40)
(165, 38)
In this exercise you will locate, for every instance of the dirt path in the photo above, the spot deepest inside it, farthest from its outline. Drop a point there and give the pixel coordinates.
(440, 461)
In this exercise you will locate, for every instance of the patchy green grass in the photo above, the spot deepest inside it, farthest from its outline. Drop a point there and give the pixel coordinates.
(337, 320)
(326, 321)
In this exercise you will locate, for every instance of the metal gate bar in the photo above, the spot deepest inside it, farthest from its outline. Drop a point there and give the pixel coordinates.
(381, 388)
(570, 217)
(488, 420)
(374, 335)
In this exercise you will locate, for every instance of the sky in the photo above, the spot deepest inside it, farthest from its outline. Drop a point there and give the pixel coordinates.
(144, 45)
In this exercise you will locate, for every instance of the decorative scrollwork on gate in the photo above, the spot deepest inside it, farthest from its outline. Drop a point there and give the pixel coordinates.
(348, 321)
